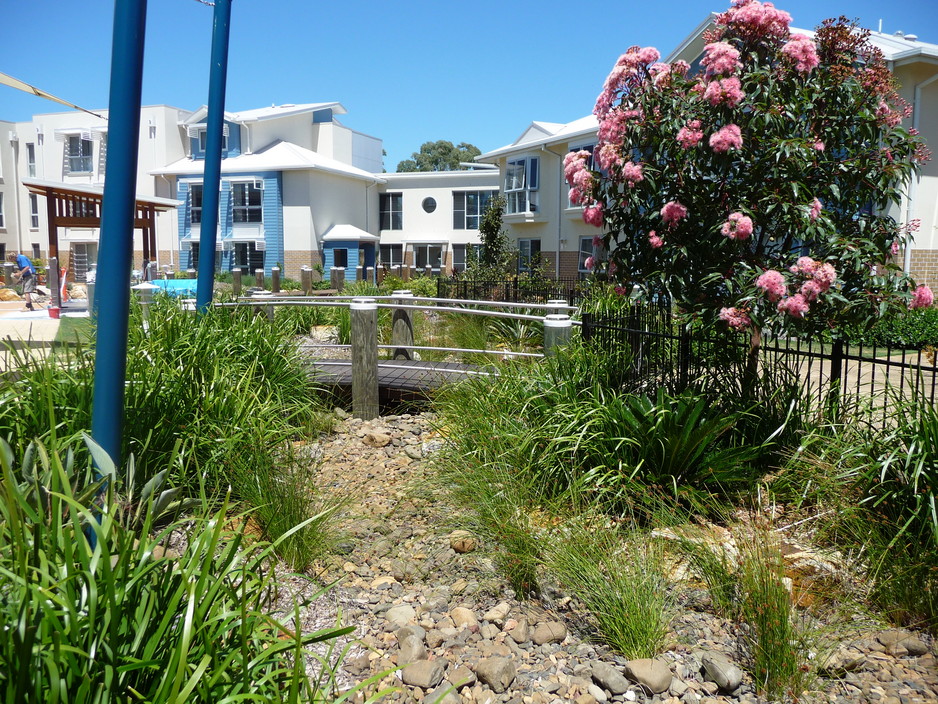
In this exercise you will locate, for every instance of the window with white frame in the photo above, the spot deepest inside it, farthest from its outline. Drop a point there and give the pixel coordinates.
(2, 219)
(33, 210)
(428, 255)
(203, 140)
(586, 251)
(37, 252)
(340, 257)
(391, 211)
(392, 255)
(468, 207)
(247, 257)
(521, 183)
(195, 203)
(529, 255)
(30, 159)
(80, 151)
(459, 257)
(247, 202)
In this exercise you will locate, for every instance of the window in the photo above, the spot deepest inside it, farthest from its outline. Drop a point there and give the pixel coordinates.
(194, 257)
(246, 202)
(529, 255)
(586, 250)
(392, 255)
(30, 159)
(33, 210)
(391, 211)
(37, 253)
(79, 154)
(247, 257)
(195, 203)
(428, 254)
(468, 207)
(521, 182)
(340, 258)
(459, 257)
(3, 251)
(2, 221)
(429, 205)
(203, 140)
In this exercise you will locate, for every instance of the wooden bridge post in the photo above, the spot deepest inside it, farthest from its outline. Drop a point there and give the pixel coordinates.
(556, 332)
(191, 273)
(306, 280)
(364, 312)
(236, 281)
(337, 278)
(402, 327)
(275, 279)
(259, 278)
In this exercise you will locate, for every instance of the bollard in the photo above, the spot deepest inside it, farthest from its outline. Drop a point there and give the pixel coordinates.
(359, 273)
(370, 274)
(170, 274)
(236, 281)
(150, 271)
(402, 325)
(306, 280)
(337, 278)
(191, 273)
(379, 276)
(556, 332)
(259, 278)
(428, 270)
(364, 313)
(275, 279)
(268, 309)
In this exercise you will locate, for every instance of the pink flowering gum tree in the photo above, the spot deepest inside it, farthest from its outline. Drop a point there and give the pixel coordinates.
(755, 190)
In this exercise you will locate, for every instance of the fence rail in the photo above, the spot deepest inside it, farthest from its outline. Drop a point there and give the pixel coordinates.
(662, 352)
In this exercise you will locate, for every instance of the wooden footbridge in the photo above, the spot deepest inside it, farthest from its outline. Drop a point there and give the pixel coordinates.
(373, 380)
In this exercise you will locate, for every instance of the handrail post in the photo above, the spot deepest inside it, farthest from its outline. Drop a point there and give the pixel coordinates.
(236, 281)
(402, 327)
(337, 278)
(275, 279)
(364, 314)
(259, 278)
(306, 280)
(557, 329)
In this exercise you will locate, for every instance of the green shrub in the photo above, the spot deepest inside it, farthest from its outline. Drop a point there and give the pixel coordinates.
(913, 329)
(123, 621)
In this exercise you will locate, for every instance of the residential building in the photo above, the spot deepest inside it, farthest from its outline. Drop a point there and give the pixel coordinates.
(543, 223)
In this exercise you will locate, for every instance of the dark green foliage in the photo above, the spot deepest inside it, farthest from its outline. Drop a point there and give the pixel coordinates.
(911, 329)
(441, 155)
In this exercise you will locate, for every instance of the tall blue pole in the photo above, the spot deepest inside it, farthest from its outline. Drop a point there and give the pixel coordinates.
(115, 251)
(215, 123)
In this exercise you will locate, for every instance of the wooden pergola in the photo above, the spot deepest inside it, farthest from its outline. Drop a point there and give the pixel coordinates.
(74, 205)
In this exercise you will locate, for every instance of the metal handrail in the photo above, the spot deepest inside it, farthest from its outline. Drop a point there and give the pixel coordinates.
(430, 349)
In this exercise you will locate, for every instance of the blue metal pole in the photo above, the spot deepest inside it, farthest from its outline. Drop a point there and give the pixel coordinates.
(215, 123)
(115, 252)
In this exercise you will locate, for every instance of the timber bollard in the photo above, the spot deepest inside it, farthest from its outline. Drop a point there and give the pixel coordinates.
(359, 273)
(402, 326)
(556, 332)
(170, 275)
(236, 281)
(370, 274)
(306, 280)
(364, 313)
(337, 278)
(275, 279)
(259, 278)
(267, 309)
(191, 273)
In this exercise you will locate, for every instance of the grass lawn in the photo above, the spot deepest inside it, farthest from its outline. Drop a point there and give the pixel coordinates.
(74, 329)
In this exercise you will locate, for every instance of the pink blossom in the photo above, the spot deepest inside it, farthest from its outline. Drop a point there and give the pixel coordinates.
(655, 241)
(720, 58)
(589, 263)
(574, 163)
(804, 266)
(727, 90)
(621, 290)
(816, 209)
(690, 135)
(894, 248)
(773, 283)
(730, 137)
(810, 289)
(802, 51)
(632, 173)
(796, 306)
(673, 212)
(922, 297)
(614, 124)
(609, 156)
(612, 268)
(597, 241)
(736, 318)
(583, 180)
(754, 18)
(680, 67)
(576, 196)
(649, 55)
(824, 275)
(887, 115)
(593, 215)
(737, 227)
(660, 73)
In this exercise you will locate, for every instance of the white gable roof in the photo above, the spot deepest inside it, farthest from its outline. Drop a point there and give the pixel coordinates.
(345, 232)
(279, 156)
(544, 133)
(273, 112)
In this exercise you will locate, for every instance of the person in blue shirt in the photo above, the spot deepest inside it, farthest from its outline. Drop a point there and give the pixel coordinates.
(26, 273)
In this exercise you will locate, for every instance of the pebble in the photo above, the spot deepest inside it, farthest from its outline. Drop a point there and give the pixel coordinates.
(422, 595)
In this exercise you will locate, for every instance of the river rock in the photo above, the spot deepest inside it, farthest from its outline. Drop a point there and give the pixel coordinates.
(609, 677)
(497, 673)
(497, 614)
(425, 674)
(654, 674)
(401, 615)
(412, 649)
(464, 618)
(721, 671)
(376, 440)
(462, 541)
(549, 632)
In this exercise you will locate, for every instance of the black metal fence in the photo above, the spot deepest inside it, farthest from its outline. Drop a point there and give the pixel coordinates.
(517, 290)
(660, 352)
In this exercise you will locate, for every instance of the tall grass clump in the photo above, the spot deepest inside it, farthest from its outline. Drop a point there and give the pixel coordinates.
(619, 576)
(94, 612)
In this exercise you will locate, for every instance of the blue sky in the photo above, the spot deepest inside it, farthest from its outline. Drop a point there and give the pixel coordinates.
(407, 72)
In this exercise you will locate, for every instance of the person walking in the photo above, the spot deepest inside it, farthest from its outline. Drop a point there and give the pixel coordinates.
(26, 273)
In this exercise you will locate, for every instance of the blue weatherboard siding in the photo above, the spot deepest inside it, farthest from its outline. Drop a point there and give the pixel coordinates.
(328, 255)
(273, 220)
